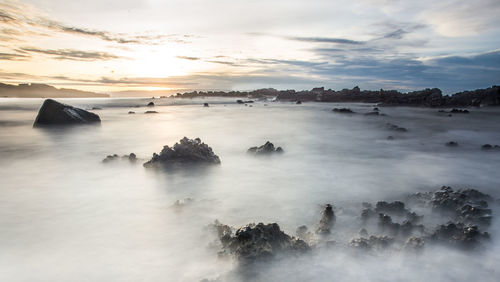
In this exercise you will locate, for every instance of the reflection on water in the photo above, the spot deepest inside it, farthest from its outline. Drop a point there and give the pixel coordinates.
(66, 216)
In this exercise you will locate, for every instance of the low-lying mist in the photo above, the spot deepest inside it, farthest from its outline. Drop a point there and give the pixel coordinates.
(67, 216)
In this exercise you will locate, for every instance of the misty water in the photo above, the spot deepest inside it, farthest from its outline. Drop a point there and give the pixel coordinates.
(66, 216)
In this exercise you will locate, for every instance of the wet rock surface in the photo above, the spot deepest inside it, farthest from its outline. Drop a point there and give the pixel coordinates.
(185, 152)
(53, 113)
(266, 149)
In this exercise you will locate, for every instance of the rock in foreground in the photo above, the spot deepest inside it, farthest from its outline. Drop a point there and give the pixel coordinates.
(265, 149)
(257, 242)
(186, 152)
(54, 113)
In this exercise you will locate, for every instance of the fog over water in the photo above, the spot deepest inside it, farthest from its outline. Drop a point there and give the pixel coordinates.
(66, 216)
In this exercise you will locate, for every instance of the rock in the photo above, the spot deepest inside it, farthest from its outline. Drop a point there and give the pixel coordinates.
(327, 221)
(205, 104)
(343, 110)
(395, 127)
(131, 112)
(54, 113)
(451, 144)
(131, 157)
(394, 208)
(459, 235)
(375, 109)
(414, 244)
(150, 104)
(374, 113)
(459, 111)
(298, 102)
(186, 152)
(258, 242)
(390, 137)
(266, 149)
(372, 243)
(490, 147)
(150, 112)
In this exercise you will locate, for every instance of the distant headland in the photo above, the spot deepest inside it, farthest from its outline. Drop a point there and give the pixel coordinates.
(36, 90)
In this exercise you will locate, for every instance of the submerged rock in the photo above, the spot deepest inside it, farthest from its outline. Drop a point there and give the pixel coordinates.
(265, 149)
(451, 144)
(186, 152)
(54, 113)
(395, 127)
(131, 157)
(343, 110)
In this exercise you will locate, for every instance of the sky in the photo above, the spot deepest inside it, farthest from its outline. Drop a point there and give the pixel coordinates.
(117, 45)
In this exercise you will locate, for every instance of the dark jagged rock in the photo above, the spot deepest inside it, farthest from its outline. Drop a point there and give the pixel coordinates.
(490, 147)
(258, 242)
(131, 157)
(343, 110)
(150, 112)
(186, 152)
(372, 243)
(150, 104)
(395, 127)
(414, 244)
(244, 102)
(459, 111)
(54, 113)
(394, 208)
(205, 104)
(266, 149)
(385, 223)
(451, 144)
(459, 235)
(327, 220)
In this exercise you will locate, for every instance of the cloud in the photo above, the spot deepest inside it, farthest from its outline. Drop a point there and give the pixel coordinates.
(72, 54)
(188, 58)
(13, 57)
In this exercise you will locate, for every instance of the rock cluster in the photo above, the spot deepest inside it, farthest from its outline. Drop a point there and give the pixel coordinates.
(343, 110)
(186, 152)
(131, 157)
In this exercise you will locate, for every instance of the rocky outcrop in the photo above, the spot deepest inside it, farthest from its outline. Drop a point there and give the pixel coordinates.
(186, 152)
(131, 157)
(342, 110)
(266, 149)
(257, 242)
(150, 104)
(53, 113)
(327, 221)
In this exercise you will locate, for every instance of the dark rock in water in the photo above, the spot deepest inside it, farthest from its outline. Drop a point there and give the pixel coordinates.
(459, 235)
(205, 104)
(54, 113)
(375, 109)
(385, 223)
(490, 147)
(131, 112)
(395, 127)
(372, 243)
(327, 221)
(150, 104)
(343, 110)
(390, 137)
(451, 144)
(258, 242)
(374, 113)
(266, 149)
(244, 102)
(150, 112)
(131, 157)
(186, 152)
(459, 111)
(414, 243)
(394, 208)
(298, 102)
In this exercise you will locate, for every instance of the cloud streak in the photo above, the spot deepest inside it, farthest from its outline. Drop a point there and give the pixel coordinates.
(72, 54)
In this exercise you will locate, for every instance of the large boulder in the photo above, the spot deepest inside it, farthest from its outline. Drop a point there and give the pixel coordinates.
(54, 113)
(186, 152)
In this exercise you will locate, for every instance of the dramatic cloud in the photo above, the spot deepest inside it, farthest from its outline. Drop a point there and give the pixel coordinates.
(71, 54)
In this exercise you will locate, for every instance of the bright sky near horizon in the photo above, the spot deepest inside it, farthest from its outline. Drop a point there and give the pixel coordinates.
(114, 45)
